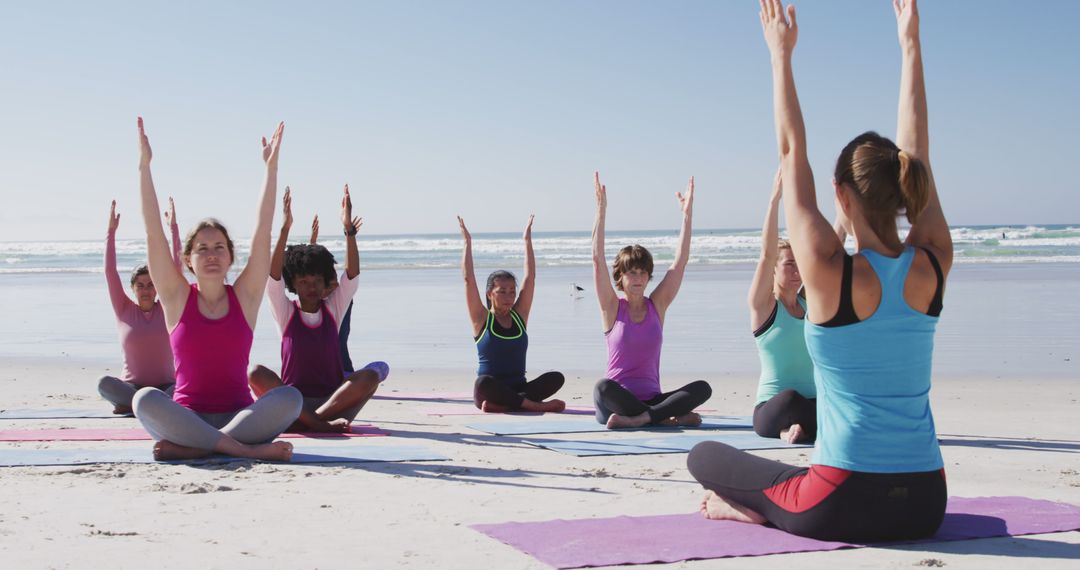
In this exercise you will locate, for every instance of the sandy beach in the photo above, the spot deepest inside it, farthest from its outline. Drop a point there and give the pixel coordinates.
(999, 438)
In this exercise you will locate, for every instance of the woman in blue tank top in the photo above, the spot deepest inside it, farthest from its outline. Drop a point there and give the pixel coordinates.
(502, 340)
(877, 472)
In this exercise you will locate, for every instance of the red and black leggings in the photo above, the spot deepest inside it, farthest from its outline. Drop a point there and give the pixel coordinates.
(824, 502)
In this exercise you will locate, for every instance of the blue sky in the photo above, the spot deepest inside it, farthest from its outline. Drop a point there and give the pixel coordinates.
(497, 109)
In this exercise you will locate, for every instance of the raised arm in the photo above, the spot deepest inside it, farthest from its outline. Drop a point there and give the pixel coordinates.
(117, 296)
(277, 260)
(352, 226)
(760, 298)
(174, 232)
(605, 293)
(171, 286)
(669, 286)
(912, 133)
(251, 283)
(816, 249)
(477, 313)
(528, 282)
(314, 230)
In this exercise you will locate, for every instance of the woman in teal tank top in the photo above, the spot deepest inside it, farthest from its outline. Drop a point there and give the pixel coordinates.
(877, 472)
(785, 407)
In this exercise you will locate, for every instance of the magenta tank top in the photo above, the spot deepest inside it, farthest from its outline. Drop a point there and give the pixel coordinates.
(211, 358)
(311, 356)
(634, 351)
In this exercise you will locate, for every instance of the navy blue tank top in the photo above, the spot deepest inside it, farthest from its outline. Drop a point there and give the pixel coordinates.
(502, 353)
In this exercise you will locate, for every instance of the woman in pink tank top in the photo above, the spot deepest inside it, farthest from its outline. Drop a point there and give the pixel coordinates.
(144, 341)
(210, 328)
(630, 394)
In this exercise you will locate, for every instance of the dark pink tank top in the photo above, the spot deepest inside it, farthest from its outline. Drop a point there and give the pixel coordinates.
(311, 356)
(211, 358)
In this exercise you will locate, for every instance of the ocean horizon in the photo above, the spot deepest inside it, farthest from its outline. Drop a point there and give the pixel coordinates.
(1050, 243)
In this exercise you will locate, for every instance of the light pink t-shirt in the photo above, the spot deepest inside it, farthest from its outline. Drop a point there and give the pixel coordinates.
(282, 308)
(144, 340)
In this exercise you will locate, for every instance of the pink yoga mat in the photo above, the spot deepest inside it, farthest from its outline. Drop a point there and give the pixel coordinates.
(139, 434)
(672, 538)
(424, 396)
(472, 411)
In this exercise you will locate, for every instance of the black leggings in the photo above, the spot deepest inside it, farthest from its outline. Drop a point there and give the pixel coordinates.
(510, 395)
(782, 411)
(824, 502)
(611, 398)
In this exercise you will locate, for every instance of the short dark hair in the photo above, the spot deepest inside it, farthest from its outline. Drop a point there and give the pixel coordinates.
(140, 270)
(307, 259)
(631, 257)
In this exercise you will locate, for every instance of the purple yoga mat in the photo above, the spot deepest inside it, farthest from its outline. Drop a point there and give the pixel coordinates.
(672, 538)
(139, 434)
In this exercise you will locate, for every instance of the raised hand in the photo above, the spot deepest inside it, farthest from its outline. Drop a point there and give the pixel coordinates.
(315, 230)
(346, 210)
(781, 32)
(145, 153)
(464, 231)
(271, 150)
(527, 236)
(286, 222)
(907, 20)
(686, 201)
(114, 218)
(170, 214)
(601, 192)
(778, 186)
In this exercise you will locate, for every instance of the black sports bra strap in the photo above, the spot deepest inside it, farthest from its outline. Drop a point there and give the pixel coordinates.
(845, 313)
(939, 292)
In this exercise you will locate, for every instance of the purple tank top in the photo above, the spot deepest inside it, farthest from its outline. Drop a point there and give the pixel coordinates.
(634, 351)
(311, 356)
(211, 358)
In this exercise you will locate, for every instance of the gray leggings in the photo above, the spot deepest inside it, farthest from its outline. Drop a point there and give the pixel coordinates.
(258, 423)
(120, 393)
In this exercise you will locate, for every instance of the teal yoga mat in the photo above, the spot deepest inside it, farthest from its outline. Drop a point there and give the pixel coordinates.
(538, 424)
(680, 443)
(345, 453)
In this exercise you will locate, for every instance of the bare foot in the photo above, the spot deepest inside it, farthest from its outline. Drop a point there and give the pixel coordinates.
(338, 425)
(553, 406)
(616, 421)
(167, 450)
(717, 508)
(491, 408)
(792, 434)
(121, 410)
(693, 419)
(273, 451)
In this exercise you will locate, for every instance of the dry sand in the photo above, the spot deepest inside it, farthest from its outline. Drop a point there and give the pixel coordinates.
(1000, 438)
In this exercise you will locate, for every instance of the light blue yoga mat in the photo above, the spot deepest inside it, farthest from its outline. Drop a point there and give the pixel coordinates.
(345, 453)
(534, 425)
(59, 413)
(660, 444)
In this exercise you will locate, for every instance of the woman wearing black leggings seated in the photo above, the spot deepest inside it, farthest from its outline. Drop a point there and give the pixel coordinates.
(877, 472)
(501, 338)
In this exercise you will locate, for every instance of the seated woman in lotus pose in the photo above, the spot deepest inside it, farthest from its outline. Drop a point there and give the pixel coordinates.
(310, 328)
(877, 472)
(630, 394)
(148, 358)
(499, 329)
(210, 328)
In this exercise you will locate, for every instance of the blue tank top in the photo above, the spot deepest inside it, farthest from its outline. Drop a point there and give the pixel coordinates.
(873, 382)
(785, 363)
(503, 355)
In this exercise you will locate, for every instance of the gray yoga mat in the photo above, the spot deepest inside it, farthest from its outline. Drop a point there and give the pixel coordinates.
(539, 424)
(659, 444)
(345, 453)
(59, 413)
